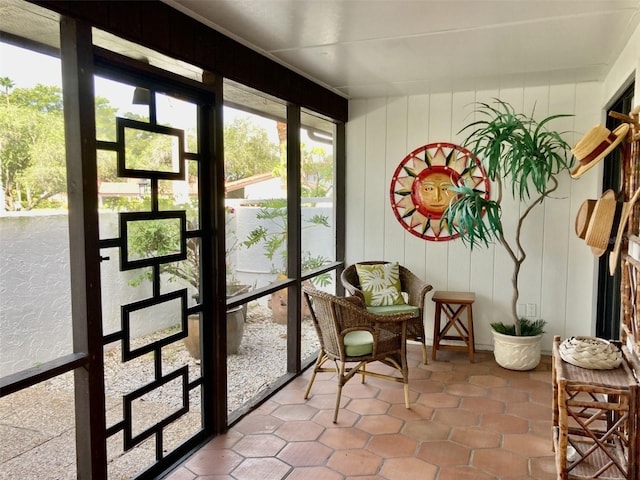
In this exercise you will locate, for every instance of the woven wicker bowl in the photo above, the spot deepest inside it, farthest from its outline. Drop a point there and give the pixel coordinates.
(591, 352)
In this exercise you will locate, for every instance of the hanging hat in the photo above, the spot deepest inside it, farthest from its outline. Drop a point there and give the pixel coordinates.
(601, 223)
(627, 208)
(583, 217)
(596, 145)
(609, 216)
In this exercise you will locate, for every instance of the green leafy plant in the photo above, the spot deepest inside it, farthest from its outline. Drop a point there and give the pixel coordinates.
(517, 150)
(528, 328)
(153, 238)
(274, 239)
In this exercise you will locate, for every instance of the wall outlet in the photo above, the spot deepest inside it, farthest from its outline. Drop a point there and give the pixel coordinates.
(531, 310)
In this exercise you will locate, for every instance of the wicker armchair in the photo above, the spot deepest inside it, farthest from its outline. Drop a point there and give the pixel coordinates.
(414, 287)
(348, 333)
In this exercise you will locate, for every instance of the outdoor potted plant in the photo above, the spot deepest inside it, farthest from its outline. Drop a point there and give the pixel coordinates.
(152, 238)
(517, 150)
(272, 235)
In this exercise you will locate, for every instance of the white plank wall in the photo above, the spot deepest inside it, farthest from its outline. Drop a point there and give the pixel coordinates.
(559, 275)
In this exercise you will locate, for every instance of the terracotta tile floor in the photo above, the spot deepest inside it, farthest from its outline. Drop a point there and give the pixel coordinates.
(467, 421)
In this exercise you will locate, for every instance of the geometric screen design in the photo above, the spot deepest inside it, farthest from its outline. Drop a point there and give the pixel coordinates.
(172, 301)
(131, 400)
(166, 161)
(152, 238)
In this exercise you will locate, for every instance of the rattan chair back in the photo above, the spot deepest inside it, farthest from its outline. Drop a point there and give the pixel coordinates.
(334, 317)
(411, 284)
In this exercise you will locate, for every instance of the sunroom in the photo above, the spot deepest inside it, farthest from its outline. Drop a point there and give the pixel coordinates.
(168, 191)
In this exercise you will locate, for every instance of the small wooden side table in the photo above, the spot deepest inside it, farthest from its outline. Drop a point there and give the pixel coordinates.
(453, 304)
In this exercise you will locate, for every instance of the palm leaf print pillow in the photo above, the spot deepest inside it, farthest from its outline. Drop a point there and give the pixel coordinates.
(380, 284)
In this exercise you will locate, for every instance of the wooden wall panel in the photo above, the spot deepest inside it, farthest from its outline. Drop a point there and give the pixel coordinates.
(355, 186)
(483, 264)
(396, 144)
(535, 101)
(582, 266)
(439, 130)
(417, 129)
(374, 178)
(558, 224)
(459, 255)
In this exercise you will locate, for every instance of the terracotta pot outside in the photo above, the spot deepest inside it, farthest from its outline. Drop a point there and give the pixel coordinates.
(235, 331)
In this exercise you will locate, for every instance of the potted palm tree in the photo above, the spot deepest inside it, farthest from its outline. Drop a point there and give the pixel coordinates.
(523, 157)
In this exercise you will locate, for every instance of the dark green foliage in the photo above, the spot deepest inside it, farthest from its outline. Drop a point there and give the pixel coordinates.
(470, 206)
(516, 149)
(512, 148)
(274, 238)
(529, 328)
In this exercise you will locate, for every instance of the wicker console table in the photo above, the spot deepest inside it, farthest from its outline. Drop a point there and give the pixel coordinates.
(595, 421)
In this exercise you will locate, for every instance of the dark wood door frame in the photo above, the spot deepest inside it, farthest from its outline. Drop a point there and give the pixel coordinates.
(608, 307)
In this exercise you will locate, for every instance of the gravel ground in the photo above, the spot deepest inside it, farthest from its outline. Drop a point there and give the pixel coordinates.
(260, 360)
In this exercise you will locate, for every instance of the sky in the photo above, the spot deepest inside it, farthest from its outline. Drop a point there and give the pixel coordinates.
(27, 68)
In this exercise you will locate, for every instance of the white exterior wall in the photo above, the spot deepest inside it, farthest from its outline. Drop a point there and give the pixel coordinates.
(35, 285)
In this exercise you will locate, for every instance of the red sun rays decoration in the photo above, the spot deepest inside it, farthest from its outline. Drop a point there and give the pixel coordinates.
(421, 187)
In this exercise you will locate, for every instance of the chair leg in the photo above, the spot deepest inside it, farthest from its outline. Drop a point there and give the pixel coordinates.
(321, 359)
(407, 402)
(425, 360)
(404, 369)
(341, 383)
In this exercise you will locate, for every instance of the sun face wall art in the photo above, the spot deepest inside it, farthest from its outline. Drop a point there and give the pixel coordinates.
(421, 187)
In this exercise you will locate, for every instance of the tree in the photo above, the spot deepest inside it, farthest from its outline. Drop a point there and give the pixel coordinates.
(316, 169)
(157, 238)
(46, 175)
(273, 232)
(42, 98)
(32, 144)
(6, 83)
(520, 154)
(247, 150)
(316, 172)
(32, 126)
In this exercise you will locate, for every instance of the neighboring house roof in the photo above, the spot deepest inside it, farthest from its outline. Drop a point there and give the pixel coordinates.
(132, 188)
(244, 182)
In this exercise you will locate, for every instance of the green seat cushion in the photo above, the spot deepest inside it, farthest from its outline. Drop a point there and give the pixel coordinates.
(358, 343)
(391, 309)
(380, 284)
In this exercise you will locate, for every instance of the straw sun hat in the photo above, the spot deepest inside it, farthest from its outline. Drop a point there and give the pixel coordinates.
(602, 218)
(583, 216)
(595, 145)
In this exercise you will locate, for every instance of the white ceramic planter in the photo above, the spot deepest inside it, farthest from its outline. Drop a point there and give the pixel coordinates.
(516, 353)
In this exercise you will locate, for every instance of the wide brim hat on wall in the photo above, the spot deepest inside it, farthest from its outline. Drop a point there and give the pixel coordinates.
(598, 234)
(596, 144)
(583, 216)
(608, 216)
